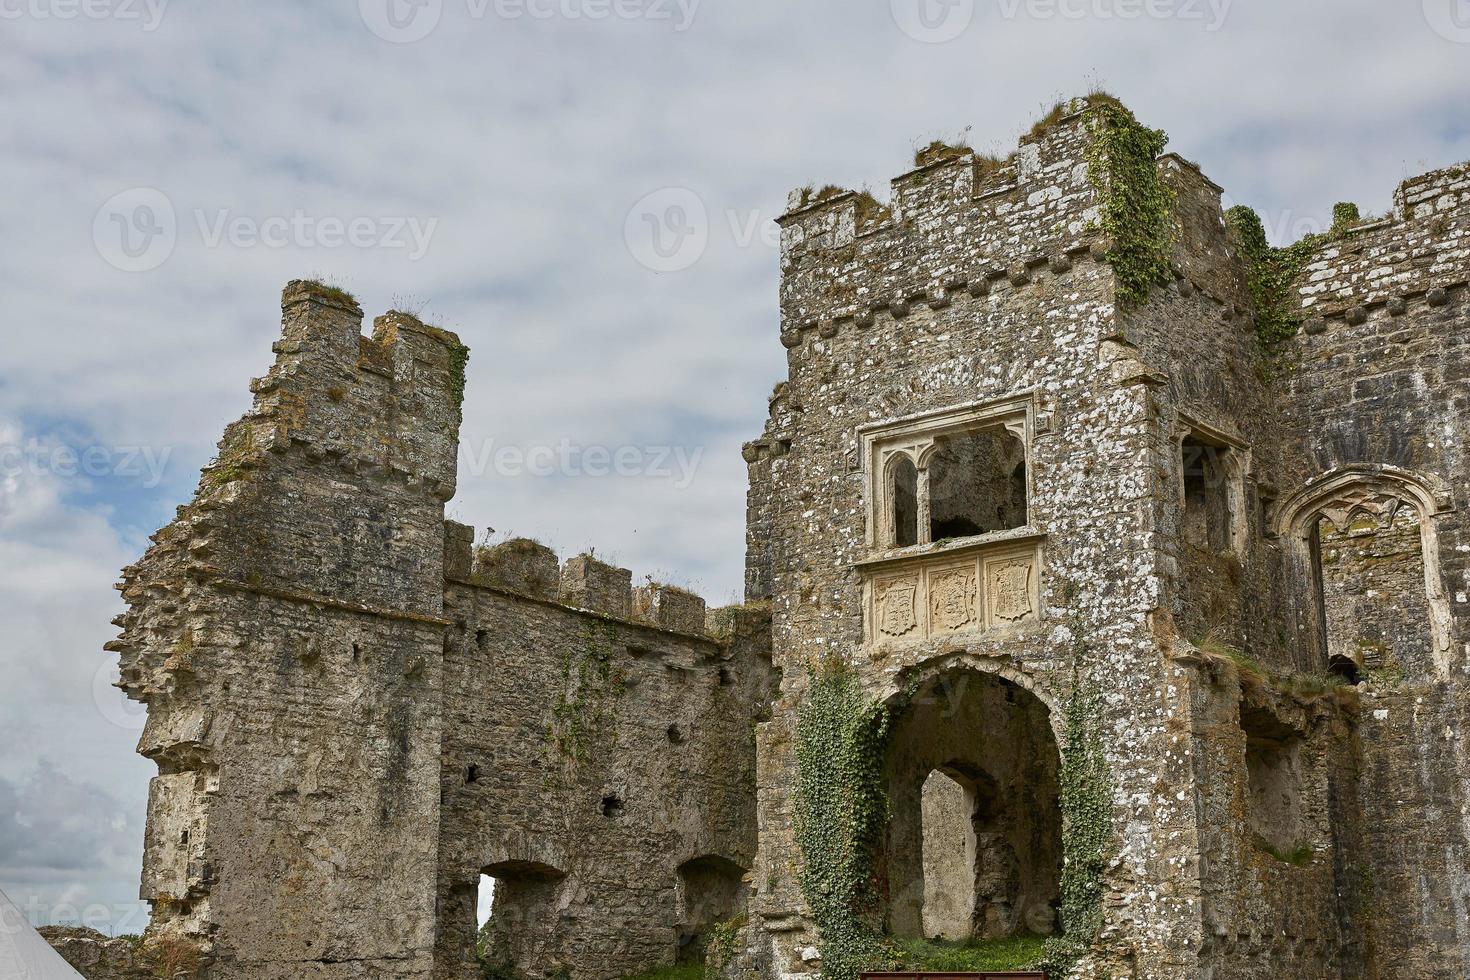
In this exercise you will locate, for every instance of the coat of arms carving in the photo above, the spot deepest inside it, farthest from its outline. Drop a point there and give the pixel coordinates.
(1010, 589)
(952, 596)
(896, 608)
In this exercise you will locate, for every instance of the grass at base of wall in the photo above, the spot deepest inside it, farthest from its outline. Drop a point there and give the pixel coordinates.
(1009, 953)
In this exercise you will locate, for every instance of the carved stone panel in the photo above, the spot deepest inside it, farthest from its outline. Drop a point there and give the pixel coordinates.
(897, 602)
(952, 599)
(994, 586)
(1010, 589)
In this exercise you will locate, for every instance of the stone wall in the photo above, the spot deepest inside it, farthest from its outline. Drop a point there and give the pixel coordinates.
(978, 287)
(1380, 395)
(594, 756)
(1250, 787)
(354, 713)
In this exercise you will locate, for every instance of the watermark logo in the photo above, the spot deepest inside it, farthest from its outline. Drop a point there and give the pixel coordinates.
(667, 230)
(401, 21)
(1450, 19)
(136, 230)
(932, 21)
(114, 706)
(148, 13)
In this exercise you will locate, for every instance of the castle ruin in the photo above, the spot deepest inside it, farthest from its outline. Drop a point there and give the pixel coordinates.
(1106, 580)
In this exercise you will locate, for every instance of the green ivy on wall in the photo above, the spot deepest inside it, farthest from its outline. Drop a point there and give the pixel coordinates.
(459, 360)
(1137, 206)
(841, 810)
(1270, 274)
(1086, 821)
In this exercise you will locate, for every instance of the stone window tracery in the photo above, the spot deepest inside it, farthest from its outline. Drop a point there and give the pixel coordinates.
(948, 476)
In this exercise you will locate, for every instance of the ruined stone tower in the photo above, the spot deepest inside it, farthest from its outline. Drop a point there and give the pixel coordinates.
(1106, 581)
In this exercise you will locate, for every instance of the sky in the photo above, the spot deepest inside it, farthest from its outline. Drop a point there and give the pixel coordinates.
(585, 191)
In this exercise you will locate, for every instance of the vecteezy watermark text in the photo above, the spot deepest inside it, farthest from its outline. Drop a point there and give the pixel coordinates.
(137, 230)
(937, 21)
(149, 13)
(406, 21)
(676, 463)
(147, 464)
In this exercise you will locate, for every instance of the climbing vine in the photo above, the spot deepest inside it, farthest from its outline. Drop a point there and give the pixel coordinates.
(841, 809)
(1270, 273)
(459, 360)
(1086, 820)
(1137, 207)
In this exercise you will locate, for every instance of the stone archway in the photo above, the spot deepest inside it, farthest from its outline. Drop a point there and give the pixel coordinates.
(973, 848)
(1386, 504)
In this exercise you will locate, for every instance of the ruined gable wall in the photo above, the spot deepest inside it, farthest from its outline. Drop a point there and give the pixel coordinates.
(972, 290)
(284, 632)
(609, 748)
(1384, 378)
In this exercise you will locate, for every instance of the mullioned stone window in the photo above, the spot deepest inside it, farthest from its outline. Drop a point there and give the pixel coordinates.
(948, 476)
(950, 535)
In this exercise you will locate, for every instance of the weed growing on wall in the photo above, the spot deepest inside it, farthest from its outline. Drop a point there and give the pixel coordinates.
(1137, 206)
(841, 810)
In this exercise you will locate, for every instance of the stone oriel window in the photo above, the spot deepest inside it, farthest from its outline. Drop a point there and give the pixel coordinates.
(949, 475)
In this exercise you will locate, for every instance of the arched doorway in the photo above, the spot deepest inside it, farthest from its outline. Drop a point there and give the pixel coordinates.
(974, 848)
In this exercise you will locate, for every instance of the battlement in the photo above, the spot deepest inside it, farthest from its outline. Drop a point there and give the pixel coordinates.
(1420, 251)
(958, 224)
(583, 583)
(390, 401)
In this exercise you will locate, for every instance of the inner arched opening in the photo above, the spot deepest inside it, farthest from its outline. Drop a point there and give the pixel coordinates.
(974, 849)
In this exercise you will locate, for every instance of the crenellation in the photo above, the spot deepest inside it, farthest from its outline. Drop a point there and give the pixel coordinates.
(587, 583)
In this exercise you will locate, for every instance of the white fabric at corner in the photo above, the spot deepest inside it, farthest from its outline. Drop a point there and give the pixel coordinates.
(24, 955)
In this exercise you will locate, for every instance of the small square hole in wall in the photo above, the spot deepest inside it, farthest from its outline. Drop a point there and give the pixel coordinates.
(612, 806)
(471, 773)
(676, 737)
(482, 639)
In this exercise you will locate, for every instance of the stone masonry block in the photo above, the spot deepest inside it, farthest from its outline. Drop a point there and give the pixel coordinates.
(591, 584)
(669, 607)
